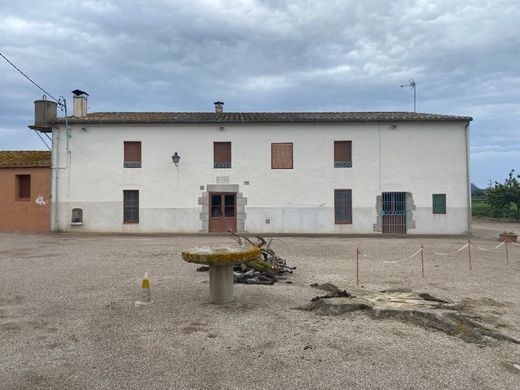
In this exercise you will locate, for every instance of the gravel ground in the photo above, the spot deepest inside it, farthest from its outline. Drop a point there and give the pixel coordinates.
(67, 318)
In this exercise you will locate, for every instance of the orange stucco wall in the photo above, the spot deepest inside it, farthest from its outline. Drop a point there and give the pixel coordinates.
(25, 215)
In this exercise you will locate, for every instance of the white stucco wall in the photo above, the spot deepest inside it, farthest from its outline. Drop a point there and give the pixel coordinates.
(421, 158)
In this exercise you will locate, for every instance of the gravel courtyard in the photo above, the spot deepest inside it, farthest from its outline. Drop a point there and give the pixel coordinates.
(68, 320)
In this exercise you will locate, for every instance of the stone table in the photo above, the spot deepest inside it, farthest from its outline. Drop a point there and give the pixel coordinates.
(220, 260)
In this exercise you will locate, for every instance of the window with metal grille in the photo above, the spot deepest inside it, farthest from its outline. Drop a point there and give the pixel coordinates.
(132, 154)
(282, 156)
(221, 154)
(23, 187)
(131, 206)
(439, 203)
(342, 207)
(394, 203)
(342, 154)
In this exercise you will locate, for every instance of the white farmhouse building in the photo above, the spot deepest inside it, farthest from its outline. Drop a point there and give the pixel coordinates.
(279, 172)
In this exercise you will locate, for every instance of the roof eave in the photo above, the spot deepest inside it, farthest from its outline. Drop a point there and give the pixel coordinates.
(105, 122)
(41, 129)
(24, 166)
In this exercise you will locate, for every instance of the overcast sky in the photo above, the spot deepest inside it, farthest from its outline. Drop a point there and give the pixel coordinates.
(271, 55)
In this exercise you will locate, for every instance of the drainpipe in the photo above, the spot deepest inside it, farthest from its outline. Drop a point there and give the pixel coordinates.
(56, 160)
(67, 128)
(55, 169)
(56, 157)
(468, 176)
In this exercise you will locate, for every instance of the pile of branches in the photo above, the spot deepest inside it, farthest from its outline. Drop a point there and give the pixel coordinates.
(267, 269)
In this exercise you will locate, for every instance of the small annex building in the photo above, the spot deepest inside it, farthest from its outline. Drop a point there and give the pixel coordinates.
(273, 172)
(25, 189)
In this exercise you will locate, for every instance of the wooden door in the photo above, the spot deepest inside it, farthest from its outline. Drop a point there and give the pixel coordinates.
(222, 212)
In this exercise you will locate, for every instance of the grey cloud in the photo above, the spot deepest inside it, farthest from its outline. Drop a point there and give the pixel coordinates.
(269, 55)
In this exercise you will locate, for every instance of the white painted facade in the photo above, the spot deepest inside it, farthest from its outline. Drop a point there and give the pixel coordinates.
(421, 158)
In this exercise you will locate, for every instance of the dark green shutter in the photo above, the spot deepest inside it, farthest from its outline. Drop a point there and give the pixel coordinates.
(439, 203)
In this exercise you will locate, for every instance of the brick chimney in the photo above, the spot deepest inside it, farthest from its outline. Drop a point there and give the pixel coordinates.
(219, 107)
(79, 103)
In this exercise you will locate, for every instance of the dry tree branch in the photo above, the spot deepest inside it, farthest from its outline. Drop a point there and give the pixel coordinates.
(261, 241)
(242, 236)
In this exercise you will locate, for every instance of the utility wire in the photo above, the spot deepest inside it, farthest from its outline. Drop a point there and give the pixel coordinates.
(28, 78)
(44, 91)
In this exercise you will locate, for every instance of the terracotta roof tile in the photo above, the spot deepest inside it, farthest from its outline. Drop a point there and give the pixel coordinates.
(257, 117)
(24, 158)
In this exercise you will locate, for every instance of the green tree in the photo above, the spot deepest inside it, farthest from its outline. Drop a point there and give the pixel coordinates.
(505, 198)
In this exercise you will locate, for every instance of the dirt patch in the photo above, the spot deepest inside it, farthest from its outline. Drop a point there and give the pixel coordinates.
(194, 327)
(10, 326)
(14, 300)
(512, 367)
(90, 289)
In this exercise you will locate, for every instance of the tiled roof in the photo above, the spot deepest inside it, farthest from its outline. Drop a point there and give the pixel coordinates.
(257, 117)
(24, 158)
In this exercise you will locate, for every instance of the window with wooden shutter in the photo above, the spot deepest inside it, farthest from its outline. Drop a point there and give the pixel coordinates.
(221, 154)
(342, 207)
(439, 203)
(132, 154)
(282, 156)
(342, 154)
(23, 187)
(130, 206)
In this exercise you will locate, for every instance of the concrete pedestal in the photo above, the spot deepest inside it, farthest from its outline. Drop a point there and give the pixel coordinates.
(221, 283)
(220, 261)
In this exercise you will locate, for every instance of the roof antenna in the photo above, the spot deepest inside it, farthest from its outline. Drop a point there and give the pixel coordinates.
(412, 85)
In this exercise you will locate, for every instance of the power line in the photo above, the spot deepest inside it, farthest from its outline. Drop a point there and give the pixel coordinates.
(28, 78)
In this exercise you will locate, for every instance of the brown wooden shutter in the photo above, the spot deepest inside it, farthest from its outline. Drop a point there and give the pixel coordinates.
(282, 156)
(132, 154)
(222, 154)
(342, 154)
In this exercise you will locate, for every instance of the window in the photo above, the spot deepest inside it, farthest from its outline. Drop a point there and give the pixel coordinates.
(394, 203)
(439, 203)
(221, 154)
(132, 154)
(77, 216)
(342, 207)
(229, 205)
(23, 187)
(342, 154)
(130, 206)
(282, 156)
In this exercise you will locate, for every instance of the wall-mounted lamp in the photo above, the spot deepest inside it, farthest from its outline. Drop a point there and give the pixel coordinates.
(176, 158)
